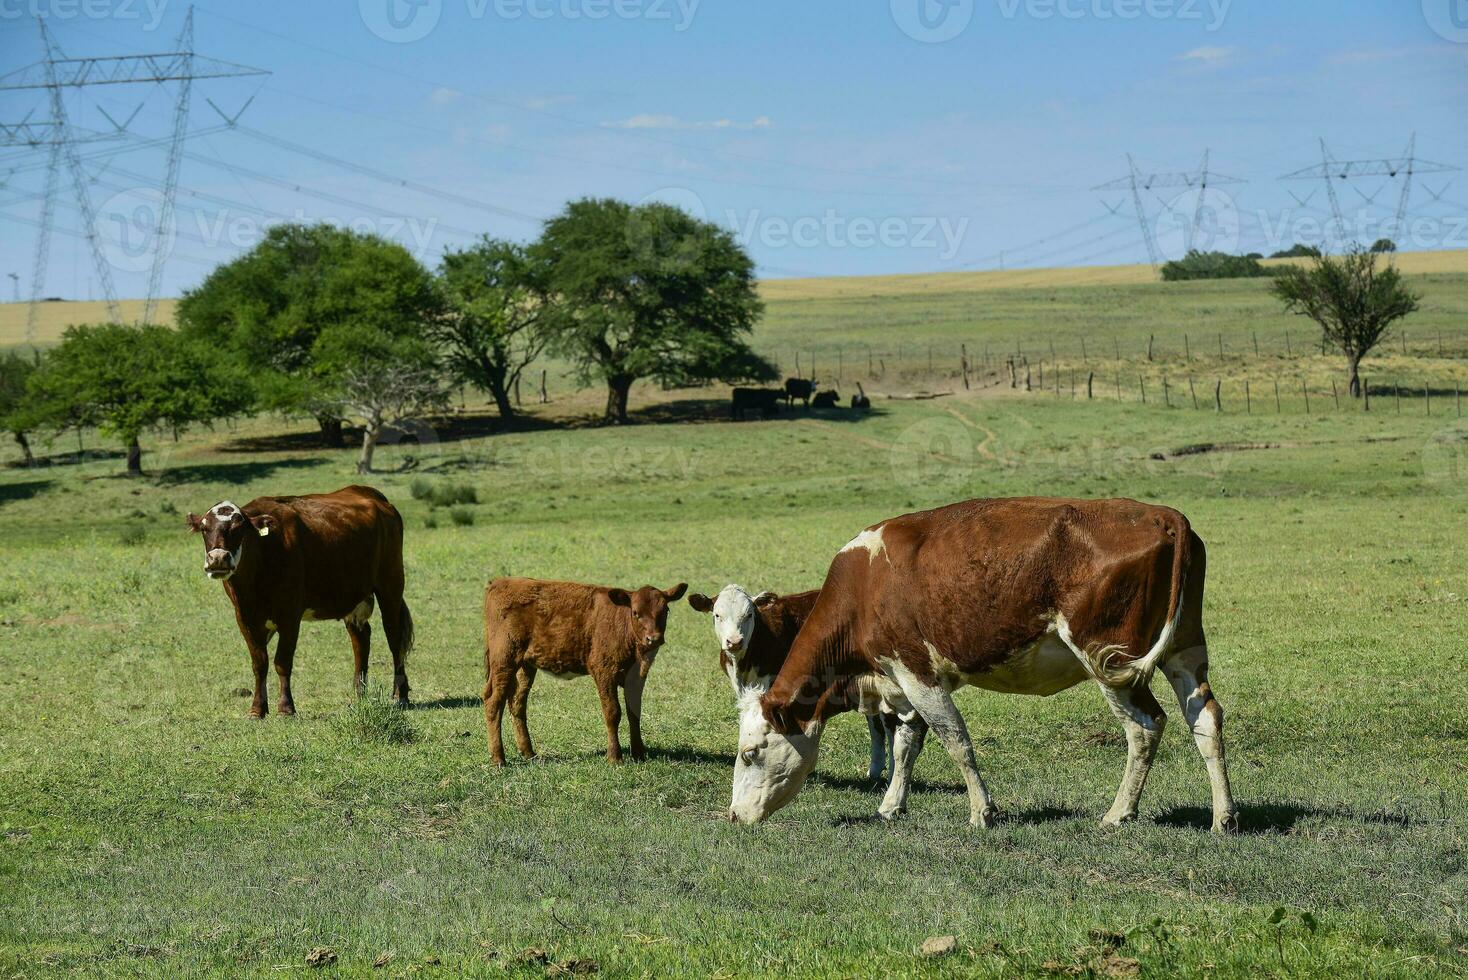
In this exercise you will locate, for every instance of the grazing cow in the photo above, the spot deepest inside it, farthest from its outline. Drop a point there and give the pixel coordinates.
(755, 633)
(569, 630)
(860, 401)
(801, 388)
(764, 400)
(317, 556)
(829, 398)
(1025, 596)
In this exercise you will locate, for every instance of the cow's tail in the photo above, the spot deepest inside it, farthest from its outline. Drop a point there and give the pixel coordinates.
(1139, 671)
(405, 629)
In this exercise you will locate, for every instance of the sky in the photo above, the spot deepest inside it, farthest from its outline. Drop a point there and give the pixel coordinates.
(830, 138)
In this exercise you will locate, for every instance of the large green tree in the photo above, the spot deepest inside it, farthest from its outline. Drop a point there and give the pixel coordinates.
(128, 380)
(1352, 300)
(494, 321)
(296, 308)
(649, 291)
(17, 413)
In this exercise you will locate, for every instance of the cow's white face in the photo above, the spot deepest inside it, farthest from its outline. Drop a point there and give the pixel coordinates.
(225, 528)
(734, 620)
(770, 767)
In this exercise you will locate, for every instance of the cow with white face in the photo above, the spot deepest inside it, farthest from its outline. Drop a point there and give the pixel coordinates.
(754, 634)
(1022, 596)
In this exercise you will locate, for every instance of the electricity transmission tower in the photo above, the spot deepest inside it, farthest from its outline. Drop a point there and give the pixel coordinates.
(1135, 182)
(55, 76)
(1330, 170)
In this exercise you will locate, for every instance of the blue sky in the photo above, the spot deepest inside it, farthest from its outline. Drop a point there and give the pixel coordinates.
(830, 137)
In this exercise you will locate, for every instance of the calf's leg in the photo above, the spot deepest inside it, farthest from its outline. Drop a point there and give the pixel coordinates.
(1142, 718)
(524, 677)
(1187, 672)
(907, 742)
(285, 658)
(361, 636)
(632, 683)
(611, 711)
(936, 707)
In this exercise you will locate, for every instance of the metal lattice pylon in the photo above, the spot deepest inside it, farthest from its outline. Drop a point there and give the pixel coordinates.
(1135, 181)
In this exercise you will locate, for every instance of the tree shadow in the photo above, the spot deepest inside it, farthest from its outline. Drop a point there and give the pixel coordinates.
(11, 492)
(445, 703)
(1276, 816)
(228, 472)
(73, 458)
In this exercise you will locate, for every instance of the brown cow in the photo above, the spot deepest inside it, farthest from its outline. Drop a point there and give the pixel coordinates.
(317, 556)
(569, 630)
(1024, 596)
(755, 634)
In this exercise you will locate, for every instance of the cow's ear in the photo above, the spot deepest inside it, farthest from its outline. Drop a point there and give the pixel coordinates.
(764, 599)
(676, 592)
(619, 597)
(195, 523)
(700, 602)
(264, 524)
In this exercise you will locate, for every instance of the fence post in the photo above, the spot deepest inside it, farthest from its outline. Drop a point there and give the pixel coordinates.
(1118, 384)
(1288, 352)
(1404, 341)
(1192, 392)
(1118, 349)
(1335, 393)
(517, 391)
(1276, 396)
(1187, 349)
(1366, 394)
(1013, 381)
(1256, 343)
(1027, 374)
(1218, 395)
(1056, 372)
(963, 362)
(1072, 384)
(1042, 372)
(1143, 382)
(1091, 377)
(1248, 399)
(1150, 339)
(1306, 390)
(1397, 390)
(1084, 358)
(543, 396)
(1457, 400)
(1166, 395)
(1427, 399)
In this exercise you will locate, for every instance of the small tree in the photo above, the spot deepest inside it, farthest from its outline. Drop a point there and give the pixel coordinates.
(17, 412)
(648, 291)
(127, 380)
(1354, 302)
(382, 395)
(1383, 245)
(271, 307)
(494, 320)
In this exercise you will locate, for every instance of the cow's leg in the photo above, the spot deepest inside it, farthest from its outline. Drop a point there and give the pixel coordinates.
(397, 623)
(877, 759)
(937, 709)
(257, 641)
(1187, 672)
(611, 711)
(1142, 718)
(361, 636)
(285, 658)
(499, 684)
(907, 742)
(633, 682)
(524, 677)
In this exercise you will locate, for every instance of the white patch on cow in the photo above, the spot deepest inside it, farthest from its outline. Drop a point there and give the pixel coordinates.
(224, 510)
(871, 540)
(1042, 668)
(734, 620)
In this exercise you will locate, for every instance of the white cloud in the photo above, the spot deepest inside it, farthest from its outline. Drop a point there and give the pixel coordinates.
(444, 96)
(648, 120)
(1208, 56)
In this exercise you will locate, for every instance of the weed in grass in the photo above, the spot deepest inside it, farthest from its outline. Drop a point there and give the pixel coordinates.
(462, 516)
(431, 521)
(132, 535)
(373, 718)
(421, 488)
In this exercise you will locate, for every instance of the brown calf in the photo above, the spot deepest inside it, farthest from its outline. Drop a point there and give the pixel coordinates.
(317, 556)
(569, 630)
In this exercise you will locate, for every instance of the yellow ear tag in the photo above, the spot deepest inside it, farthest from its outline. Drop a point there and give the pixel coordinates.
(265, 532)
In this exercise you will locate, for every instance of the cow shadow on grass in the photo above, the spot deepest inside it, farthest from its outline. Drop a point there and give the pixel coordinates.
(463, 701)
(1277, 816)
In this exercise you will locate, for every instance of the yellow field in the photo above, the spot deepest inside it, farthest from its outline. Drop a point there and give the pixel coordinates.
(55, 317)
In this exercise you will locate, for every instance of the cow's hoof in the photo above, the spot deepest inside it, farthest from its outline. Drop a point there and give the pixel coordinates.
(1227, 824)
(400, 703)
(1114, 820)
(256, 713)
(287, 710)
(986, 819)
(892, 815)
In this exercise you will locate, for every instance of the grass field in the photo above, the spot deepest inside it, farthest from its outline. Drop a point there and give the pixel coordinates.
(148, 828)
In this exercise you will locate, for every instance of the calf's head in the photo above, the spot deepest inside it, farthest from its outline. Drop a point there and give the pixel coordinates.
(648, 610)
(226, 529)
(777, 751)
(735, 616)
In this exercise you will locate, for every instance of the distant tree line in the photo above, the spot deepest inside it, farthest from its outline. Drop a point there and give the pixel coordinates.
(322, 322)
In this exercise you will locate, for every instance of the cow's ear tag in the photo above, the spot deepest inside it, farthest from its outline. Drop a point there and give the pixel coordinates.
(265, 532)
